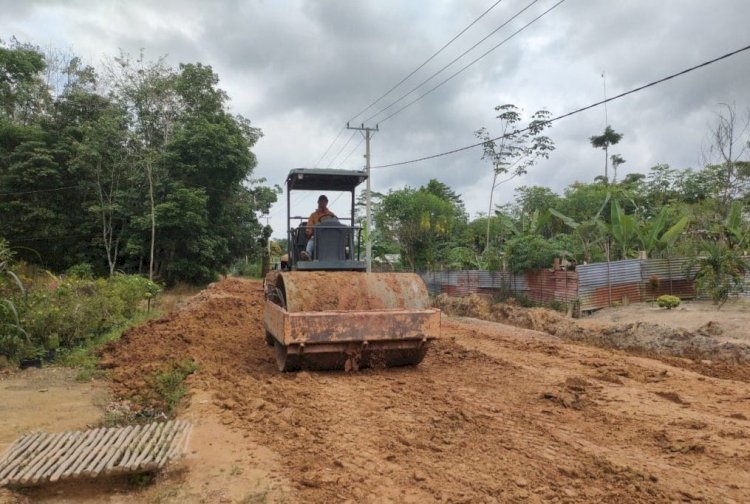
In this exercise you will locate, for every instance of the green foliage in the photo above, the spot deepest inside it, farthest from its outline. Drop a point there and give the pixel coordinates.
(623, 228)
(95, 168)
(603, 141)
(668, 302)
(85, 358)
(82, 271)
(653, 237)
(589, 232)
(720, 271)
(420, 222)
(169, 384)
(70, 312)
(528, 252)
(736, 229)
(516, 149)
(247, 269)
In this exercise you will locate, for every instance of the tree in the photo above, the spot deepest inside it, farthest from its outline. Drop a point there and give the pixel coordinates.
(617, 160)
(603, 141)
(103, 152)
(23, 94)
(419, 222)
(529, 251)
(728, 149)
(536, 201)
(589, 231)
(146, 91)
(516, 149)
(720, 271)
(142, 167)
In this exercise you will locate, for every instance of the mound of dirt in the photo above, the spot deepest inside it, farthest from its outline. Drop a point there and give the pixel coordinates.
(493, 413)
(229, 311)
(635, 337)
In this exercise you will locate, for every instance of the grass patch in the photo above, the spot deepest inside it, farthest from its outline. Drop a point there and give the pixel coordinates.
(86, 357)
(169, 385)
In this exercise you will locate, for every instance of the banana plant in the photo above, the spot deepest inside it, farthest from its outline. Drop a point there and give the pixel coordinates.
(623, 228)
(737, 231)
(590, 231)
(653, 236)
(531, 226)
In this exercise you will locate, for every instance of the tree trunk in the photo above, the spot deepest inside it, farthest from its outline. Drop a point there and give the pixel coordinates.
(106, 214)
(153, 219)
(489, 212)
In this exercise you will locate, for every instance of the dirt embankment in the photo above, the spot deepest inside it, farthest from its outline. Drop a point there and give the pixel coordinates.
(494, 414)
(701, 349)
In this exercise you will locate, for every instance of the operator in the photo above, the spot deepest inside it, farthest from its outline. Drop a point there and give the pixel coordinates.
(315, 218)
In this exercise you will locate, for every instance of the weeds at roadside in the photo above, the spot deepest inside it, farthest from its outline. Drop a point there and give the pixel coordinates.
(141, 480)
(86, 358)
(169, 385)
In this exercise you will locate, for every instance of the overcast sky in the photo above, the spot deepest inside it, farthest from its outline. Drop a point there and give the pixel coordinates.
(299, 69)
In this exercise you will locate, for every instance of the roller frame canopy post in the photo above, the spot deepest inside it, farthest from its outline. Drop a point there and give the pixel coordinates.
(320, 179)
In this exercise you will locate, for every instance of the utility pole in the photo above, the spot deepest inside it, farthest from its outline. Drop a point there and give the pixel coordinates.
(367, 132)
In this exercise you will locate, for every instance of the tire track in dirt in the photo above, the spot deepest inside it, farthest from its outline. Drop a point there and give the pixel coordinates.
(494, 413)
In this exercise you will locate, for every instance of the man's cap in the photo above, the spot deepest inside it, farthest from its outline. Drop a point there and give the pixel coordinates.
(323, 197)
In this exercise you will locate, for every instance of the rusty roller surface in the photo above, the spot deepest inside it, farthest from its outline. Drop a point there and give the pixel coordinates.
(352, 291)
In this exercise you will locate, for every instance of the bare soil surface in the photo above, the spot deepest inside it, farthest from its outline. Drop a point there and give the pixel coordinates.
(714, 344)
(731, 322)
(46, 399)
(495, 413)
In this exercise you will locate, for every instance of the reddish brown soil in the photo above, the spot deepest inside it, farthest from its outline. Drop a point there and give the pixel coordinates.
(350, 291)
(706, 348)
(495, 413)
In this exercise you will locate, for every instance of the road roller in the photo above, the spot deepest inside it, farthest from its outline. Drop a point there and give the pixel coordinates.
(323, 310)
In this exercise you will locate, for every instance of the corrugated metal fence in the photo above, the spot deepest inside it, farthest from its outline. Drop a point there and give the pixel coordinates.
(541, 286)
(593, 286)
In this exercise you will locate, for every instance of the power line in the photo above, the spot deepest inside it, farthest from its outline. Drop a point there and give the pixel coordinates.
(445, 67)
(329, 146)
(63, 188)
(405, 79)
(573, 112)
(342, 149)
(350, 153)
(472, 62)
(425, 62)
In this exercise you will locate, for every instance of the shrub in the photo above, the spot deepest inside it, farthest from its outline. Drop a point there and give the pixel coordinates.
(668, 302)
(530, 252)
(720, 272)
(69, 312)
(81, 270)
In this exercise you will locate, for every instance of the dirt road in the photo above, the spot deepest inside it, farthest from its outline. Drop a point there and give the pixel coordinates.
(494, 413)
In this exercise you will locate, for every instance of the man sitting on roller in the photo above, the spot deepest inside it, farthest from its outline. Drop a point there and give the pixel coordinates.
(315, 218)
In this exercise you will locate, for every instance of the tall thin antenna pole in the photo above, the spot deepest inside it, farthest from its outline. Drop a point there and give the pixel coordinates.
(604, 86)
(606, 123)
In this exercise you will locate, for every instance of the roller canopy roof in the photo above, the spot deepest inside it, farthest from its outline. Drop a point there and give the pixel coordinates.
(318, 179)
